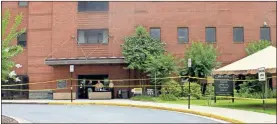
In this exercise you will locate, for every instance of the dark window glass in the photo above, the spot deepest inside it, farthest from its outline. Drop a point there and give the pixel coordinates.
(22, 40)
(93, 6)
(238, 34)
(210, 34)
(265, 33)
(93, 36)
(183, 35)
(155, 33)
(22, 3)
(81, 6)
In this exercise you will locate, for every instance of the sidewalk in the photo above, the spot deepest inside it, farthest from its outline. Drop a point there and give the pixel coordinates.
(239, 115)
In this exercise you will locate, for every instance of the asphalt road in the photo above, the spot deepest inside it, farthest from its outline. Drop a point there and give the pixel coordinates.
(96, 114)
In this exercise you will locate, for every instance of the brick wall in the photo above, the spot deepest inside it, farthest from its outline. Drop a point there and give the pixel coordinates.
(40, 30)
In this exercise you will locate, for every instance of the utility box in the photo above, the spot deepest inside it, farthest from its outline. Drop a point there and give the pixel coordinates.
(124, 94)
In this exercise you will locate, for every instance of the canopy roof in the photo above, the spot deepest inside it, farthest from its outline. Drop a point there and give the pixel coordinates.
(250, 64)
(84, 61)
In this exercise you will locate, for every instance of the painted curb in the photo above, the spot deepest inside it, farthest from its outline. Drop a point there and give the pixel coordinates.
(154, 107)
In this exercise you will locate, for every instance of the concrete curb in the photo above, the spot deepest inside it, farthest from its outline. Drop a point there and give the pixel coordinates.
(23, 103)
(154, 107)
(226, 119)
(19, 120)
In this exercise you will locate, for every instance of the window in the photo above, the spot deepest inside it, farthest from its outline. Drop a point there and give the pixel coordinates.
(210, 34)
(22, 40)
(238, 35)
(265, 33)
(22, 3)
(183, 35)
(155, 33)
(93, 6)
(93, 36)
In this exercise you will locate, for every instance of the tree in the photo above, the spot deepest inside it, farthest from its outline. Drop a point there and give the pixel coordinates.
(256, 46)
(137, 47)
(160, 66)
(9, 51)
(204, 60)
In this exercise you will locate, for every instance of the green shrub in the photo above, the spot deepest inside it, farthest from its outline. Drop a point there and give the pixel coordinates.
(251, 87)
(168, 97)
(172, 87)
(143, 98)
(272, 94)
(209, 90)
(254, 89)
(256, 95)
(195, 90)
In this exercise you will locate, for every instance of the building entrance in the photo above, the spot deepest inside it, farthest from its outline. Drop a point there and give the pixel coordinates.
(85, 83)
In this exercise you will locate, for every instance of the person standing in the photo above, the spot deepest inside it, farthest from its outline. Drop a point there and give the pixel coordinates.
(82, 89)
(98, 86)
(101, 86)
(90, 86)
(111, 85)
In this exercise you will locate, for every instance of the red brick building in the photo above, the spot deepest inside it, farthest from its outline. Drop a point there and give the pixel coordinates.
(89, 34)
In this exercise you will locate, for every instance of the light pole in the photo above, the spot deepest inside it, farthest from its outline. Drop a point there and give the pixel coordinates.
(71, 86)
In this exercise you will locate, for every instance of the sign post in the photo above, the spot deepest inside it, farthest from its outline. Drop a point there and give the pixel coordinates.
(71, 69)
(189, 67)
(155, 86)
(262, 78)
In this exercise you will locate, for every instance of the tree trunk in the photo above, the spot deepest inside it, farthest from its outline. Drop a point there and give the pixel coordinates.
(135, 76)
(203, 85)
(141, 82)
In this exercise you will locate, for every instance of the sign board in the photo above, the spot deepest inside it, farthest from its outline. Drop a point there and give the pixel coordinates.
(71, 69)
(223, 85)
(137, 90)
(61, 84)
(189, 62)
(262, 76)
(150, 92)
(210, 80)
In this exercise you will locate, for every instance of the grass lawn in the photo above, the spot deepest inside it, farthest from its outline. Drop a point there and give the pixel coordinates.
(249, 105)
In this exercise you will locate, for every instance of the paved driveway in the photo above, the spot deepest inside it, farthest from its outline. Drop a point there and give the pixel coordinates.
(96, 114)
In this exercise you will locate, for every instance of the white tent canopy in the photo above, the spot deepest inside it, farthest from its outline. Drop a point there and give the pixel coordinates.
(250, 64)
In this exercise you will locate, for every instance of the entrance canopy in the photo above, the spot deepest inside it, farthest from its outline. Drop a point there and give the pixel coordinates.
(84, 60)
(250, 64)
